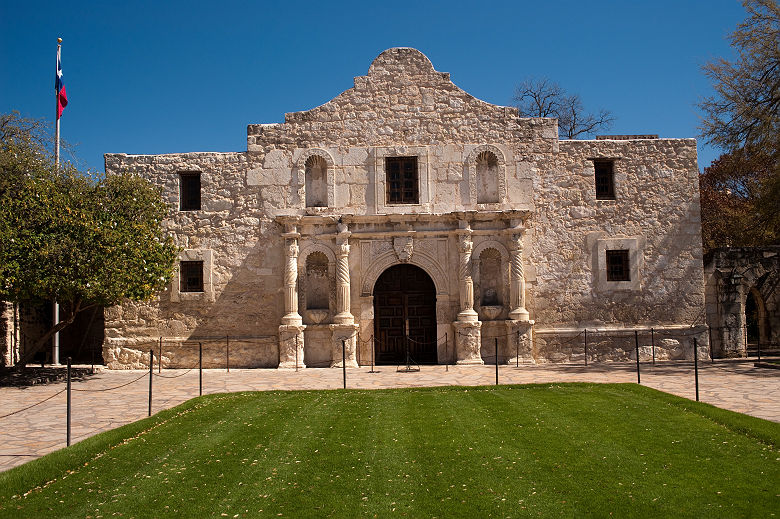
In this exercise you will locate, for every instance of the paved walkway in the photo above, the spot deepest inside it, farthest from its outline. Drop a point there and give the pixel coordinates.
(735, 385)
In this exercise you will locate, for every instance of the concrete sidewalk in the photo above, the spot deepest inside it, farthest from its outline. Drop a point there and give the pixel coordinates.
(731, 384)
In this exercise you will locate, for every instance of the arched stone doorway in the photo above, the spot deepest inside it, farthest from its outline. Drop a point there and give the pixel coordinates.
(405, 316)
(756, 326)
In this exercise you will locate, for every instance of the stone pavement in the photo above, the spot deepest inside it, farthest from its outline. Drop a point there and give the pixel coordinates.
(736, 385)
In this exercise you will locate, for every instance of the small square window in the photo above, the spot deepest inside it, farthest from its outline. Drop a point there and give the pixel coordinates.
(191, 276)
(605, 179)
(618, 268)
(189, 191)
(401, 180)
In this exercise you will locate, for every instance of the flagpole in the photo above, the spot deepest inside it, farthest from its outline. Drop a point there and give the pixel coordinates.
(55, 348)
(57, 114)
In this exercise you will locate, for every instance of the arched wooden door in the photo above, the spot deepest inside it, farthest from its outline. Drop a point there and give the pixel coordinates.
(405, 316)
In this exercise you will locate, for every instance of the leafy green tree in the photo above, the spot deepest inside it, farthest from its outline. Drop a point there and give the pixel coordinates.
(72, 238)
(740, 192)
(739, 201)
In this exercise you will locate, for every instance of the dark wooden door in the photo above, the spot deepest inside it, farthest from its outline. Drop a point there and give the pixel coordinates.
(405, 316)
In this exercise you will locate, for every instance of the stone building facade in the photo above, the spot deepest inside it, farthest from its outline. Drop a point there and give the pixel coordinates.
(407, 217)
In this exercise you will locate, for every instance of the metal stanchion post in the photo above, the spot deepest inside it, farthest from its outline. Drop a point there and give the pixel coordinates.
(696, 367)
(709, 334)
(200, 368)
(652, 343)
(447, 352)
(373, 353)
(759, 349)
(159, 358)
(67, 427)
(227, 353)
(636, 345)
(496, 348)
(344, 361)
(586, 347)
(151, 376)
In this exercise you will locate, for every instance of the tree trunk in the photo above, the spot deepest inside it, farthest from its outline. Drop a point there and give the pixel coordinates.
(75, 308)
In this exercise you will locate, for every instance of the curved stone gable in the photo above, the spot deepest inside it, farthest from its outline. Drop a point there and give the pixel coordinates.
(402, 98)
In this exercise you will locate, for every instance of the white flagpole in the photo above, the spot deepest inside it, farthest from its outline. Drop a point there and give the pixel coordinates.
(55, 348)
(56, 111)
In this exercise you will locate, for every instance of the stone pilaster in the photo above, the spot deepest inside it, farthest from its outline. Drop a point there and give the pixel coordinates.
(520, 341)
(466, 283)
(517, 278)
(467, 328)
(291, 329)
(343, 314)
(347, 333)
(291, 315)
(291, 346)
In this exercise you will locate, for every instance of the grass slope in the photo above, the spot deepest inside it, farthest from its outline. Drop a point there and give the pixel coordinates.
(539, 450)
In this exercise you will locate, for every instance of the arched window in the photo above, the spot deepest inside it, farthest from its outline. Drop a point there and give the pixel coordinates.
(316, 182)
(487, 178)
(317, 285)
(490, 285)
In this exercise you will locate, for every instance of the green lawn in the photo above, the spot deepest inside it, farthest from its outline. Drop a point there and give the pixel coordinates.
(541, 450)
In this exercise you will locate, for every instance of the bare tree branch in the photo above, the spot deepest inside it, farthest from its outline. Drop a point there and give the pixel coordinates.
(545, 98)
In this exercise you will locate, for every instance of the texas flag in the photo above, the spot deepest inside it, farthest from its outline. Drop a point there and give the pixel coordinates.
(59, 88)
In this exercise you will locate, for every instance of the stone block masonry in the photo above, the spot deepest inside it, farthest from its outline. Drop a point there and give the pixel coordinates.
(501, 220)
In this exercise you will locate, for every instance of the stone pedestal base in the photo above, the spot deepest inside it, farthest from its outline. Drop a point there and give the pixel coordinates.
(291, 346)
(348, 333)
(520, 341)
(519, 314)
(468, 342)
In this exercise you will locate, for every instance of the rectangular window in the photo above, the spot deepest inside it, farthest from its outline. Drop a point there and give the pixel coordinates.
(191, 275)
(401, 180)
(189, 191)
(605, 179)
(617, 266)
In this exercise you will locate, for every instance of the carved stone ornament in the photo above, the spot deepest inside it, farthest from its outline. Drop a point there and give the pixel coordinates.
(404, 248)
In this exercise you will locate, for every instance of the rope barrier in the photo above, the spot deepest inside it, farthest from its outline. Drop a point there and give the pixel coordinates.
(31, 406)
(158, 375)
(567, 341)
(110, 388)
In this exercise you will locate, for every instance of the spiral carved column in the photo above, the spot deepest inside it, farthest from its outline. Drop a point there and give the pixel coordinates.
(344, 327)
(517, 281)
(343, 315)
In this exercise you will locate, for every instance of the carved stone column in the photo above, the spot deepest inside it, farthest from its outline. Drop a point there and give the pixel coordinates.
(343, 314)
(468, 339)
(517, 278)
(344, 327)
(465, 247)
(291, 329)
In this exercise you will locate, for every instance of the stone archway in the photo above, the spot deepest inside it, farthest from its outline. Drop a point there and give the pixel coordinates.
(405, 316)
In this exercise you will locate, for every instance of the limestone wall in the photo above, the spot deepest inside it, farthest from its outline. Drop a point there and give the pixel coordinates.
(245, 299)
(403, 107)
(655, 214)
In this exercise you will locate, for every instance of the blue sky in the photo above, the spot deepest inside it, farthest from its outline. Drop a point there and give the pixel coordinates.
(165, 77)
